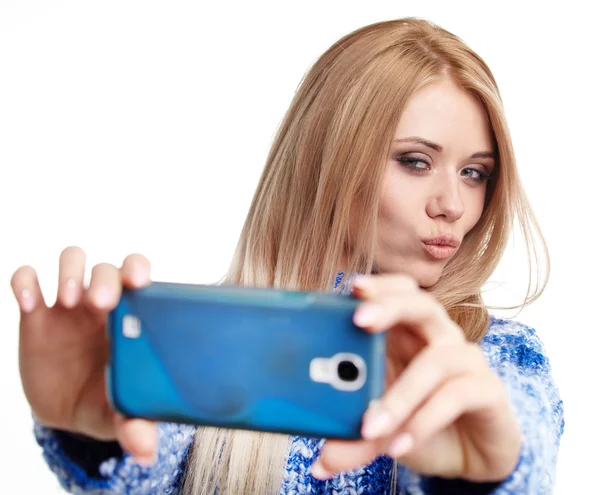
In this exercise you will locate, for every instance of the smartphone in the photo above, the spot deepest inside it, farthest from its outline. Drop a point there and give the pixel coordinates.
(259, 359)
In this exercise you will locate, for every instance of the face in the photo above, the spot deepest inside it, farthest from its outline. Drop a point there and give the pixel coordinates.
(435, 182)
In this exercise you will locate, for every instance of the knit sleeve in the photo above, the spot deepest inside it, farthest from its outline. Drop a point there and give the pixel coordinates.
(87, 466)
(517, 354)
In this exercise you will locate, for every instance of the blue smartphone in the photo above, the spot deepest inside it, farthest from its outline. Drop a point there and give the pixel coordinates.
(260, 359)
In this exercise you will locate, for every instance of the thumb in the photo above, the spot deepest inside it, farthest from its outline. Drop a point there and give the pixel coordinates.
(139, 437)
(26, 288)
(342, 455)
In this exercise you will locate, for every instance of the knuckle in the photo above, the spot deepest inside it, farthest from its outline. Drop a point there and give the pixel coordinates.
(102, 267)
(437, 308)
(23, 275)
(453, 399)
(137, 259)
(495, 387)
(406, 281)
(460, 333)
(72, 263)
(104, 271)
(442, 358)
(475, 354)
(436, 354)
(430, 301)
(417, 426)
(393, 404)
(72, 252)
(327, 464)
(437, 312)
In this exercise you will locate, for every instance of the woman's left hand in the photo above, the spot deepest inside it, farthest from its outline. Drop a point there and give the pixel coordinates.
(445, 412)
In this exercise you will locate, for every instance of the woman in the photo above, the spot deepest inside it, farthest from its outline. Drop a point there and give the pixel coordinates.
(394, 160)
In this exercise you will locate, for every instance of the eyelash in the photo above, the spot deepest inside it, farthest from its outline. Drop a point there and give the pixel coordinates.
(409, 163)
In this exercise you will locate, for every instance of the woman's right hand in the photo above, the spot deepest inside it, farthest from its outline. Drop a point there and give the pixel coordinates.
(63, 350)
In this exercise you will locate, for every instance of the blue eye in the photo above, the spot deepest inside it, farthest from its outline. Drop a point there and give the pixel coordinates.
(479, 178)
(412, 164)
(419, 167)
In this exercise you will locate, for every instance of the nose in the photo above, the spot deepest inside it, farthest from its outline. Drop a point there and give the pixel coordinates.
(446, 199)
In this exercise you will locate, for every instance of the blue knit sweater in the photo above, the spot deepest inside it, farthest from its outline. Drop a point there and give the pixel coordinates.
(85, 466)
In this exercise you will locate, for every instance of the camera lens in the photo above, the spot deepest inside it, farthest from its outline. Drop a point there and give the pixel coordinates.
(347, 371)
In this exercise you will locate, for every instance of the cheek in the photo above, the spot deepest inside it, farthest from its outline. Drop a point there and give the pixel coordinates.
(474, 210)
(396, 220)
(391, 210)
(398, 201)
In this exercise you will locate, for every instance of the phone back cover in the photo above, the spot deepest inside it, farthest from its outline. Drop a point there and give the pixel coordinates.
(239, 358)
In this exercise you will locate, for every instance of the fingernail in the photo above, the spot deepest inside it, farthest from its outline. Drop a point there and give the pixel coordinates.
(71, 293)
(102, 297)
(27, 301)
(145, 461)
(318, 471)
(401, 445)
(140, 276)
(367, 314)
(378, 422)
(360, 281)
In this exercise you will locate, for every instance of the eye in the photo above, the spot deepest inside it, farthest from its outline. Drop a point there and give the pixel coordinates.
(413, 164)
(475, 176)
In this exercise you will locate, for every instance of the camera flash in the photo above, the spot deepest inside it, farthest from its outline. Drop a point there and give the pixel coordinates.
(132, 327)
(320, 370)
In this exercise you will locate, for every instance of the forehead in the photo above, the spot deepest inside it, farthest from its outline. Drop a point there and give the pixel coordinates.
(446, 114)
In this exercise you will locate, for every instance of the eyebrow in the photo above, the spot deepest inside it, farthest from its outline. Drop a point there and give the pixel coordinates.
(439, 148)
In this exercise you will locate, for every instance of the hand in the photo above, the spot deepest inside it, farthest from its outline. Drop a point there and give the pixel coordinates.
(63, 350)
(445, 412)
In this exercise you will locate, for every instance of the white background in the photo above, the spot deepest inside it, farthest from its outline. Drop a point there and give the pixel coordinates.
(143, 126)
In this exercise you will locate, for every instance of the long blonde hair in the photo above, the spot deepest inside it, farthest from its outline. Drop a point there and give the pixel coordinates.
(329, 153)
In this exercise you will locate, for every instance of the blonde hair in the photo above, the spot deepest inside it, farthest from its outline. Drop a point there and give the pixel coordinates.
(329, 153)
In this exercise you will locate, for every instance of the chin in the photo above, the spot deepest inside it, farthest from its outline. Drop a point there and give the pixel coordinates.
(426, 274)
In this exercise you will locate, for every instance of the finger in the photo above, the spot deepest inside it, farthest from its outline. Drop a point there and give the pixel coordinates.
(465, 394)
(420, 311)
(26, 288)
(71, 270)
(135, 271)
(427, 372)
(105, 287)
(139, 437)
(337, 456)
(402, 347)
(373, 286)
